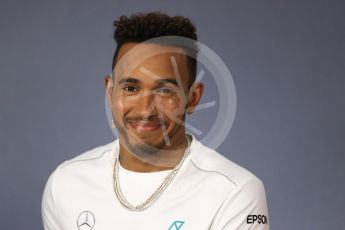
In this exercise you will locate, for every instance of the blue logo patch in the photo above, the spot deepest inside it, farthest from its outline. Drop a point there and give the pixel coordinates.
(176, 225)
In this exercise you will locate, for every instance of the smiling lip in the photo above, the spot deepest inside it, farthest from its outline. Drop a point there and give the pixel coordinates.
(145, 126)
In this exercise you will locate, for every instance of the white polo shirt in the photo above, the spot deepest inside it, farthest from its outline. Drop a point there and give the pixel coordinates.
(209, 192)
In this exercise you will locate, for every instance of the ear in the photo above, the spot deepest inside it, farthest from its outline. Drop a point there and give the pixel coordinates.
(108, 82)
(195, 93)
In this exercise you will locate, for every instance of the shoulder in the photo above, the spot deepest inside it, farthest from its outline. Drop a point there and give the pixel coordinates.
(89, 156)
(84, 163)
(212, 162)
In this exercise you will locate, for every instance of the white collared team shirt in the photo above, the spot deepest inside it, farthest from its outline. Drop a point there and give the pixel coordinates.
(209, 192)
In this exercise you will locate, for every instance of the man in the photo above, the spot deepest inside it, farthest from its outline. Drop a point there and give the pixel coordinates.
(155, 175)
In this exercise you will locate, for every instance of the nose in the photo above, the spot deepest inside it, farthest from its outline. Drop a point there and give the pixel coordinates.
(146, 105)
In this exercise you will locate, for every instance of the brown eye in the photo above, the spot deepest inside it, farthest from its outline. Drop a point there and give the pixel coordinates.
(130, 88)
(166, 91)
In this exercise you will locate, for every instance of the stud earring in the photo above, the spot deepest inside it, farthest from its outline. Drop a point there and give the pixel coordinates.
(190, 110)
(112, 123)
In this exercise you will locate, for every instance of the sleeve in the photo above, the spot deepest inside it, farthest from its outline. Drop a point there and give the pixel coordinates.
(49, 214)
(245, 208)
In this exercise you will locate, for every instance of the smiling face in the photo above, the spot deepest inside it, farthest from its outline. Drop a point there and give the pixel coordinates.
(149, 97)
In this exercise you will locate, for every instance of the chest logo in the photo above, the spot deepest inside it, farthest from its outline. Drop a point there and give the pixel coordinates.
(86, 221)
(176, 225)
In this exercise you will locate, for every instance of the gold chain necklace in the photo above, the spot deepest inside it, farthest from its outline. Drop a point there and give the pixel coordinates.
(157, 193)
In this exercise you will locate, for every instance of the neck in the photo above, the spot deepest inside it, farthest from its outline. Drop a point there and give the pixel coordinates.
(162, 160)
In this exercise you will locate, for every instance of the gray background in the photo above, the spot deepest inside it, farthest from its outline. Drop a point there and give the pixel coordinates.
(287, 60)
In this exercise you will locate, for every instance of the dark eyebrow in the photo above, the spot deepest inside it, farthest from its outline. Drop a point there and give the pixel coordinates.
(129, 80)
(166, 80)
(137, 81)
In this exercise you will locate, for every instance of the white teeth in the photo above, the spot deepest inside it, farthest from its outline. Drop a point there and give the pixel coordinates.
(148, 123)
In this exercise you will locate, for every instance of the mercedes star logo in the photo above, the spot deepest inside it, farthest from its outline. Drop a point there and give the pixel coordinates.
(86, 220)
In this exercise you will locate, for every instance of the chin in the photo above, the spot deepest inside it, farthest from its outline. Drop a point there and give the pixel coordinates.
(148, 142)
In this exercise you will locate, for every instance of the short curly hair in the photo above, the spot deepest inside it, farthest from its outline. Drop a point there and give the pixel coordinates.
(140, 27)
